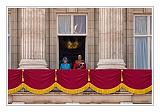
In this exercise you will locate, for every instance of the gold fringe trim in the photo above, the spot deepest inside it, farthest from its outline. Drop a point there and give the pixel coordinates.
(105, 91)
(16, 89)
(136, 91)
(39, 91)
(79, 90)
(72, 91)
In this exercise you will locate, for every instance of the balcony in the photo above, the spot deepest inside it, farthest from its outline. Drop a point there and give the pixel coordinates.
(104, 86)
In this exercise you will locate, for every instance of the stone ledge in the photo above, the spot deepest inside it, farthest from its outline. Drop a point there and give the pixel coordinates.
(83, 98)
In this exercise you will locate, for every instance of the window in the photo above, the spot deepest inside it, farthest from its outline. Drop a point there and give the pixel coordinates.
(142, 35)
(64, 24)
(72, 25)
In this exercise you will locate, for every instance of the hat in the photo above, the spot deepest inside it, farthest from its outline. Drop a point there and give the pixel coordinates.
(65, 59)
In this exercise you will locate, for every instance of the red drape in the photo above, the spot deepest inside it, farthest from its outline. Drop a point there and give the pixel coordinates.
(105, 78)
(105, 81)
(14, 78)
(137, 79)
(72, 79)
(39, 78)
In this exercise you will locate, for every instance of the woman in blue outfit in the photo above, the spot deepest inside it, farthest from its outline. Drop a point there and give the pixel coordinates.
(65, 65)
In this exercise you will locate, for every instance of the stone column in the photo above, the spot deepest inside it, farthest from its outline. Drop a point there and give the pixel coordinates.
(33, 38)
(111, 38)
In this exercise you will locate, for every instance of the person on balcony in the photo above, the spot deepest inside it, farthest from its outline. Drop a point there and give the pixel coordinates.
(65, 65)
(79, 64)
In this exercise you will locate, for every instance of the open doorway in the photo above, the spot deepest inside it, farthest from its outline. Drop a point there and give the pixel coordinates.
(71, 47)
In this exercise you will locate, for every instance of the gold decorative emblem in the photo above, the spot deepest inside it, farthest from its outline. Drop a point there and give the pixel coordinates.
(72, 45)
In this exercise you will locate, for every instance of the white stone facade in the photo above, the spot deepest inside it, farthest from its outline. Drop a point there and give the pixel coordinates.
(109, 39)
(33, 43)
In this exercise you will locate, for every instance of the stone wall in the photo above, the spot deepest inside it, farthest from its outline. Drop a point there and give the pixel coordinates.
(13, 40)
(92, 38)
